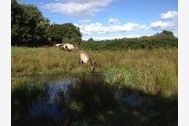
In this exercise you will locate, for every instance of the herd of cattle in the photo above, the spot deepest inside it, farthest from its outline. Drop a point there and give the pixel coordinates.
(84, 57)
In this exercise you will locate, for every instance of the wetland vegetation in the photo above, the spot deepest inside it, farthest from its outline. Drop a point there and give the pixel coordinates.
(88, 100)
(129, 87)
(152, 71)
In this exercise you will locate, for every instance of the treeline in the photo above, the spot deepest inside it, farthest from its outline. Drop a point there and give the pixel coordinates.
(165, 39)
(30, 28)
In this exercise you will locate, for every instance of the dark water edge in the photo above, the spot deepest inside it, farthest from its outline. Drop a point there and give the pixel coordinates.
(88, 100)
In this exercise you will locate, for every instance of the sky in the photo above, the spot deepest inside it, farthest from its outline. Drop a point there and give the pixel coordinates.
(110, 19)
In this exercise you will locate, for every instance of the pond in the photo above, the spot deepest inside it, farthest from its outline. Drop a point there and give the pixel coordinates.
(49, 107)
(86, 100)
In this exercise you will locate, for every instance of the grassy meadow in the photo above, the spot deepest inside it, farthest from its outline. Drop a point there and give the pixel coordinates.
(152, 71)
(145, 80)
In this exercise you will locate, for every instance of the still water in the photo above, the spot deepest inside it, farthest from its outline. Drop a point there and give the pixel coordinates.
(50, 107)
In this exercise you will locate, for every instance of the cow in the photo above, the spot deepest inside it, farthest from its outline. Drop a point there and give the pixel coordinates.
(67, 46)
(85, 58)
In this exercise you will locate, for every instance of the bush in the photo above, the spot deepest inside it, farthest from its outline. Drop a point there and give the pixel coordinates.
(164, 39)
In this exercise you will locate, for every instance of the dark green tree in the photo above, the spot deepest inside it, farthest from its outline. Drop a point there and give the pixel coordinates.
(168, 33)
(28, 26)
(90, 40)
(16, 23)
(65, 33)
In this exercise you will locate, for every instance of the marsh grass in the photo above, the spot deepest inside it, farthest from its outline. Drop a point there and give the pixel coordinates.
(153, 71)
(93, 101)
(24, 91)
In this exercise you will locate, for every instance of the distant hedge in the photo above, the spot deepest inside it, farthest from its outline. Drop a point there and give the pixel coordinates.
(158, 40)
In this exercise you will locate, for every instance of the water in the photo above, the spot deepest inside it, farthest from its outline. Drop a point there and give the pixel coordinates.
(43, 108)
(50, 107)
(134, 100)
(55, 87)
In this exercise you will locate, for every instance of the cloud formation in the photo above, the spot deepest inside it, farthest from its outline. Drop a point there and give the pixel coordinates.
(77, 7)
(113, 20)
(117, 29)
(99, 28)
(168, 15)
(161, 25)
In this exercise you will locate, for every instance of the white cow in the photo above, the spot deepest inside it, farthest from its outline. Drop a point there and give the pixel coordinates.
(84, 59)
(69, 47)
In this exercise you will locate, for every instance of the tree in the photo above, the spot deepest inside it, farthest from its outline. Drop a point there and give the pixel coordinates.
(90, 40)
(167, 32)
(64, 33)
(28, 26)
(16, 22)
(164, 33)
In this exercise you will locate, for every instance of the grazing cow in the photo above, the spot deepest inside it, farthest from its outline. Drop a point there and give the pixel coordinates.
(84, 59)
(69, 47)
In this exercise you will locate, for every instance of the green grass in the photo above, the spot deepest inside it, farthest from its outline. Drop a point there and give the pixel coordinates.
(152, 71)
(150, 74)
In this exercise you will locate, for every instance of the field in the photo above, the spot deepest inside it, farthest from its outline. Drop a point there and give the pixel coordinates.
(151, 73)
(149, 70)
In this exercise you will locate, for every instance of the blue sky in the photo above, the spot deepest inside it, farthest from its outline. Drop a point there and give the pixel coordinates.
(109, 19)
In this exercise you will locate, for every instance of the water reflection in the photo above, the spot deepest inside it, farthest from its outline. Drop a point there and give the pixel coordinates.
(49, 107)
(88, 100)
(55, 87)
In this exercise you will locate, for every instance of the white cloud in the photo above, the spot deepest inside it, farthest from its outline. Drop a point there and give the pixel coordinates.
(166, 25)
(169, 15)
(113, 20)
(99, 28)
(144, 27)
(84, 21)
(161, 25)
(77, 7)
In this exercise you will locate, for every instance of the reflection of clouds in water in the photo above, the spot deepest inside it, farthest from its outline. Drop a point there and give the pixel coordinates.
(58, 86)
(49, 106)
